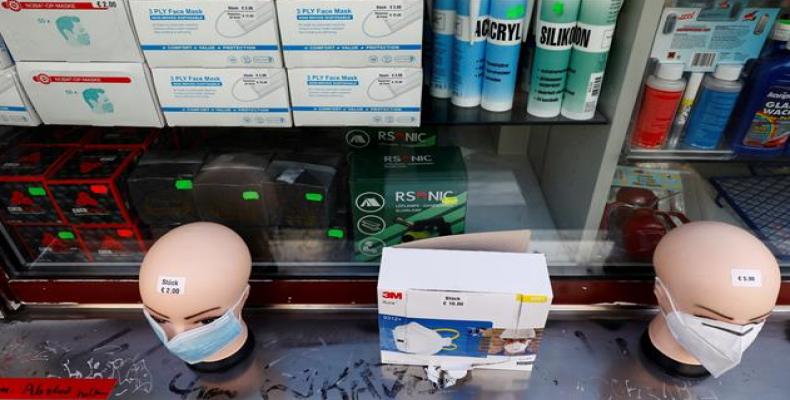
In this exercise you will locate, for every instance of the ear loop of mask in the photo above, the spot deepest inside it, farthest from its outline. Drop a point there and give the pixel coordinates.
(667, 294)
(455, 335)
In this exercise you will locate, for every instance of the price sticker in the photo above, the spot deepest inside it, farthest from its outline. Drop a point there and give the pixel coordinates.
(171, 285)
(747, 278)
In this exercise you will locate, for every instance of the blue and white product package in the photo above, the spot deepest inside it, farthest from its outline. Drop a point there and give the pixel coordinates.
(702, 40)
(252, 97)
(69, 30)
(351, 33)
(5, 56)
(462, 310)
(505, 34)
(100, 94)
(15, 108)
(208, 33)
(469, 52)
(356, 96)
(443, 23)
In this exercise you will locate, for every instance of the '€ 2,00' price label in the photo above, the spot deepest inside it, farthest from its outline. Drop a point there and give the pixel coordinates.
(171, 285)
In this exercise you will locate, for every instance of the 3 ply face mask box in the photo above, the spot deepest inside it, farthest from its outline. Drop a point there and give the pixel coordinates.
(15, 108)
(74, 31)
(351, 33)
(403, 195)
(476, 319)
(208, 33)
(223, 97)
(356, 96)
(102, 94)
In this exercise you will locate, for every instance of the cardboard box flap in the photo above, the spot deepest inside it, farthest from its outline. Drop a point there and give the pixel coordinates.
(471, 271)
(503, 241)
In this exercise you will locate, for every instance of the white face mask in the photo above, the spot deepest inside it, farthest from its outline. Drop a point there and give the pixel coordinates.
(716, 344)
(416, 339)
(515, 347)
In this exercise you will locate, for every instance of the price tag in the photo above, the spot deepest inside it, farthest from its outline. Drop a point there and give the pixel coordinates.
(171, 285)
(747, 278)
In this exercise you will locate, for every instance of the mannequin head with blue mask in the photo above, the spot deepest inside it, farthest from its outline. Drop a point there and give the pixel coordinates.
(716, 284)
(193, 283)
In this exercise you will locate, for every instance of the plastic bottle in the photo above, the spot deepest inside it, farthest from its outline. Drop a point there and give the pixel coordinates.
(503, 49)
(443, 22)
(660, 100)
(555, 25)
(762, 122)
(469, 51)
(779, 37)
(708, 119)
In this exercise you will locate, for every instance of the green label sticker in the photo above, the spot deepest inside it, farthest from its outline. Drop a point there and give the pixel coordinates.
(251, 195)
(36, 191)
(336, 233)
(317, 197)
(66, 235)
(184, 184)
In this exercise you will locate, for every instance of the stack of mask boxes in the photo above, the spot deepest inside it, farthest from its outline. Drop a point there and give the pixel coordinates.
(80, 63)
(215, 63)
(15, 107)
(353, 62)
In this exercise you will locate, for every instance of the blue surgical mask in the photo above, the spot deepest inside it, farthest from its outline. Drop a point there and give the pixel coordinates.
(195, 345)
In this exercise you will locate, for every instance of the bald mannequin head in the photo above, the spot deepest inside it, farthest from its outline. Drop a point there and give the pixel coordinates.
(193, 275)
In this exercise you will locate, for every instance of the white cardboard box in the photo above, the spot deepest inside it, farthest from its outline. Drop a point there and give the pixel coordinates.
(5, 56)
(102, 94)
(351, 33)
(208, 33)
(453, 306)
(74, 31)
(223, 97)
(356, 96)
(15, 108)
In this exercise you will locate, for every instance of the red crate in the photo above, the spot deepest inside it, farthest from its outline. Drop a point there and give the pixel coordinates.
(89, 187)
(24, 197)
(122, 243)
(49, 243)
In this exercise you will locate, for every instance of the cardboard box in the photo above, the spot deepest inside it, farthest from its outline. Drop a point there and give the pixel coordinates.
(23, 196)
(490, 315)
(89, 186)
(224, 97)
(103, 94)
(5, 55)
(112, 244)
(161, 187)
(351, 33)
(49, 243)
(374, 138)
(230, 189)
(15, 107)
(70, 30)
(356, 96)
(208, 33)
(405, 196)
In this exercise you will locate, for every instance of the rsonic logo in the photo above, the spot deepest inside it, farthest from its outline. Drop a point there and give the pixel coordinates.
(437, 196)
(406, 158)
(402, 136)
(392, 295)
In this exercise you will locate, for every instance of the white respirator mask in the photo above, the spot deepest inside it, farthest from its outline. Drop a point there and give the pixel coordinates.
(416, 339)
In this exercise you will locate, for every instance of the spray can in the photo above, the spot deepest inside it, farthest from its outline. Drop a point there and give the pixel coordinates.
(595, 29)
(505, 34)
(555, 25)
(469, 51)
(443, 23)
(660, 100)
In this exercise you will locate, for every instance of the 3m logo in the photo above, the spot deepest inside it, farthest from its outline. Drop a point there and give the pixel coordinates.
(392, 295)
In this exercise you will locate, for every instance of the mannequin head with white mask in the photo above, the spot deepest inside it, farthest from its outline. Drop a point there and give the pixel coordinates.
(193, 283)
(715, 285)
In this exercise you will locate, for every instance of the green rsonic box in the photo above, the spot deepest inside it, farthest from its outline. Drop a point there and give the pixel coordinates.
(405, 194)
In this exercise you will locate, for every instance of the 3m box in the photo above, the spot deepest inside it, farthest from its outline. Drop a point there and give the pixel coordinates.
(356, 96)
(15, 107)
(208, 33)
(24, 199)
(490, 314)
(224, 97)
(49, 243)
(374, 138)
(102, 94)
(351, 33)
(5, 55)
(89, 186)
(406, 195)
(73, 31)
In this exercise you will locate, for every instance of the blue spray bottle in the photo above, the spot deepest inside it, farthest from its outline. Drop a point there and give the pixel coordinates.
(471, 30)
(762, 123)
(505, 34)
(714, 105)
(443, 23)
